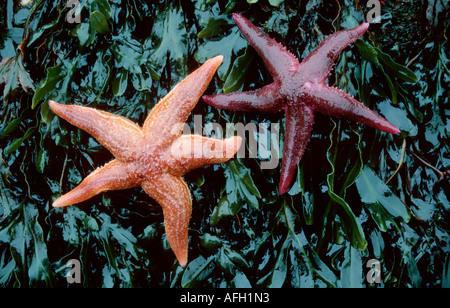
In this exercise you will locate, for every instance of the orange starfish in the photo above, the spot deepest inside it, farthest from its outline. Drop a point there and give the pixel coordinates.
(154, 156)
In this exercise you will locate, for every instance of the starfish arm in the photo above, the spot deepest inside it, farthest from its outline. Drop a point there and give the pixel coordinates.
(277, 58)
(318, 64)
(334, 102)
(166, 119)
(266, 99)
(299, 123)
(113, 176)
(118, 134)
(172, 193)
(190, 152)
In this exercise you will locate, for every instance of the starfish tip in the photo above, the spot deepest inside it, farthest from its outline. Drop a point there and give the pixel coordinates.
(236, 15)
(182, 258)
(396, 131)
(365, 26)
(58, 203)
(282, 189)
(239, 19)
(362, 28)
(389, 128)
(57, 107)
(53, 104)
(208, 99)
(217, 60)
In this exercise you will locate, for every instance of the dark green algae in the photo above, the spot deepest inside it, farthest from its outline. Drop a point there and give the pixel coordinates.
(242, 233)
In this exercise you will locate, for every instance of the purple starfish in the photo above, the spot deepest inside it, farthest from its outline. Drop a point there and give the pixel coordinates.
(299, 90)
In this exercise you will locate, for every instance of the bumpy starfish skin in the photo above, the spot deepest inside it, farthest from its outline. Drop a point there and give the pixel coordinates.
(155, 156)
(299, 90)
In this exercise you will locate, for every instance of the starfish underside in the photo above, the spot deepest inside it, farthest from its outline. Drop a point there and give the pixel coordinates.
(299, 90)
(154, 156)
